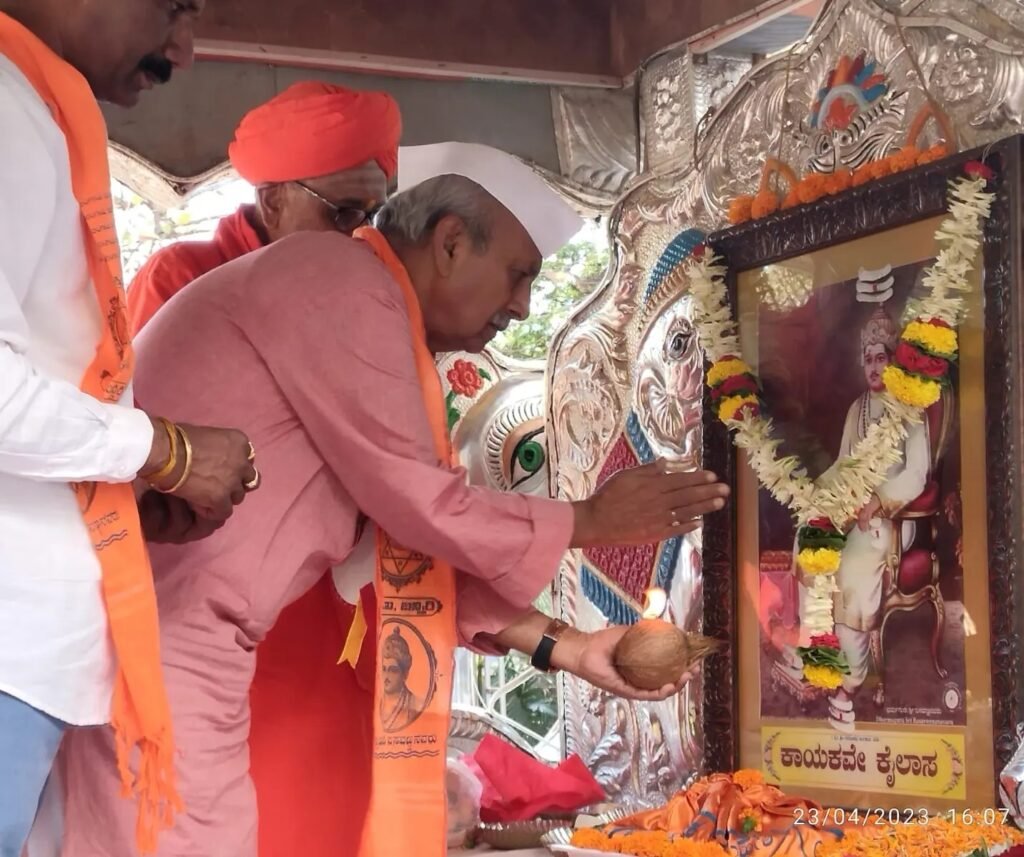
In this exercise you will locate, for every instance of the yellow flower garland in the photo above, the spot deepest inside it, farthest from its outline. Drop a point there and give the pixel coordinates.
(909, 389)
(824, 677)
(729, 407)
(819, 560)
(940, 341)
(725, 369)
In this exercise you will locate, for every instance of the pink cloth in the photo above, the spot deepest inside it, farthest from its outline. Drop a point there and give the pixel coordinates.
(303, 344)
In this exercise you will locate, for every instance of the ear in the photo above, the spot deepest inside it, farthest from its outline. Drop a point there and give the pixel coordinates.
(449, 243)
(271, 202)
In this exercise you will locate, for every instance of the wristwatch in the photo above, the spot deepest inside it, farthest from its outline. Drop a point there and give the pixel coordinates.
(541, 659)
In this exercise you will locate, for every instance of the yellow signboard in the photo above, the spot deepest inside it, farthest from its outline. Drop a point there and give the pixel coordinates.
(923, 764)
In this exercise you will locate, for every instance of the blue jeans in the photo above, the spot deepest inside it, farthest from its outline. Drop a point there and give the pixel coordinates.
(29, 741)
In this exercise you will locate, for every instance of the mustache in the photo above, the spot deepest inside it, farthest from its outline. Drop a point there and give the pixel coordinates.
(501, 320)
(157, 66)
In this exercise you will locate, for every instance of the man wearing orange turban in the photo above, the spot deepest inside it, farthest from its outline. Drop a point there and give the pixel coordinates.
(320, 157)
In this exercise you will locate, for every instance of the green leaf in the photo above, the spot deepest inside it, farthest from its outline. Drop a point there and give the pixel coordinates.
(822, 656)
(834, 542)
(453, 417)
(484, 374)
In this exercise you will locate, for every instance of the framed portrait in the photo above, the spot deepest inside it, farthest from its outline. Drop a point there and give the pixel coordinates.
(926, 612)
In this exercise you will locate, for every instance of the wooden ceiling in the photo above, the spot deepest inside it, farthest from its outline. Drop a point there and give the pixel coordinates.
(597, 42)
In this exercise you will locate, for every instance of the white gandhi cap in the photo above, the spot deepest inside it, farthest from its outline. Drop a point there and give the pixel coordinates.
(549, 219)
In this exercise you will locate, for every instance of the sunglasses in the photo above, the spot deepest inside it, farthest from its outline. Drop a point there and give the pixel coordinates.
(346, 218)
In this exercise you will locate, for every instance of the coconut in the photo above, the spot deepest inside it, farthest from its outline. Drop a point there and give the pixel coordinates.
(654, 653)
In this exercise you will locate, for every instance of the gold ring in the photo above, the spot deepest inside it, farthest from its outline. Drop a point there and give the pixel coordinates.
(252, 452)
(253, 483)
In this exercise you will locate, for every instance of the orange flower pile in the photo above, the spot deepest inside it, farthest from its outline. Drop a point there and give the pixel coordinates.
(747, 778)
(645, 843)
(814, 186)
(720, 814)
(940, 837)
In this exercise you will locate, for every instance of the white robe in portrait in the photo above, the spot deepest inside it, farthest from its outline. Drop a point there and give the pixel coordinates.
(859, 580)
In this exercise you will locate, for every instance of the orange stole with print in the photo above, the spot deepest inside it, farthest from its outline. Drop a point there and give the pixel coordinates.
(140, 714)
(416, 640)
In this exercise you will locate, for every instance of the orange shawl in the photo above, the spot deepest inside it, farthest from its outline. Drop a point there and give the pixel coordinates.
(416, 639)
(140, 714)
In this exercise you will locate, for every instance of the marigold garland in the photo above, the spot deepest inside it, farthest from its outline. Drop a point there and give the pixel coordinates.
(726, 368)
(937, 339)
(908, 388)
(814, 186)
(819, 560)
(939, 837)
(747, 778)
(644, 843)
(826, 506)
(827, 678)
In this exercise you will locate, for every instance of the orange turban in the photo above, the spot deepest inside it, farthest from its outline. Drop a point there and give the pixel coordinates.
(315, 129)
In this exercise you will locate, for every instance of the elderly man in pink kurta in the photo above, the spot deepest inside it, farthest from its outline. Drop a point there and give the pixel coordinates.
(310, 341)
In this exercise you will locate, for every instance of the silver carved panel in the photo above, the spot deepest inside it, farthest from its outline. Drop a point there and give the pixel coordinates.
(596, 133)
(622, 353)
(667, 110)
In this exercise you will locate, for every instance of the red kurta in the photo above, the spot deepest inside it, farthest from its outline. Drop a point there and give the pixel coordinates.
(169, 270)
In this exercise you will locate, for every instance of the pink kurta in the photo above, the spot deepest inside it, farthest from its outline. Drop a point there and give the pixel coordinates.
(305, 346)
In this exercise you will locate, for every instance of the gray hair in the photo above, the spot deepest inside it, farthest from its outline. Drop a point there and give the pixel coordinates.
(413, 214)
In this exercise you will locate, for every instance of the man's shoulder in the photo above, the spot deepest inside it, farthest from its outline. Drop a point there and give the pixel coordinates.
(22, 108)
(325, 248)
(31, 134)
(321, 262)
(173, 267)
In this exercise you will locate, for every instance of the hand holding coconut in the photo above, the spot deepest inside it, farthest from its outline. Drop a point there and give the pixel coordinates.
(653, 652)
(592, 657)
(647, 504)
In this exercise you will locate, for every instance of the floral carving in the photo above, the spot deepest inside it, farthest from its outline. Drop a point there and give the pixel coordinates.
(465, 378)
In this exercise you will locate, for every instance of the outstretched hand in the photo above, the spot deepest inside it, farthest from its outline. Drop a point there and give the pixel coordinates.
(590, 657)
(647, 504)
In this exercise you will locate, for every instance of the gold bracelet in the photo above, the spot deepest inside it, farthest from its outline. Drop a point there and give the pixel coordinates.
(188, 463)
(172, 459)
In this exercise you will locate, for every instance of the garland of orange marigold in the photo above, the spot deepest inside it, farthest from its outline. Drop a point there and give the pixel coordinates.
(645, 843)
(815, 186)
(940, 837)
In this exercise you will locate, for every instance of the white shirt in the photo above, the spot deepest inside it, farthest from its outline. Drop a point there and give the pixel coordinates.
(55, 651)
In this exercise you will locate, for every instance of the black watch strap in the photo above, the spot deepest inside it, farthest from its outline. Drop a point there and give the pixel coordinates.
(541, 659)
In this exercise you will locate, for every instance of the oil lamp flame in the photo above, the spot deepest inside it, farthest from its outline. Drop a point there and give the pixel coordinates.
(655, 602)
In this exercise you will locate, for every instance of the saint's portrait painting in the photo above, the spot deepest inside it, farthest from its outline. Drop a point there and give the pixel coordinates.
(899, 608)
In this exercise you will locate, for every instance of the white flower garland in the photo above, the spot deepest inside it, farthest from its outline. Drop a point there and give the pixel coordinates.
(848, 485)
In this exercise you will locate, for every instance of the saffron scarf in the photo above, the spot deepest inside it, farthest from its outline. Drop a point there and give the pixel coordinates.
(140, 714)
(416, 639)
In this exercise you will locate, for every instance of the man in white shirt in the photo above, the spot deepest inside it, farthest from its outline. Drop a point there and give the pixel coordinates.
(62, 449)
